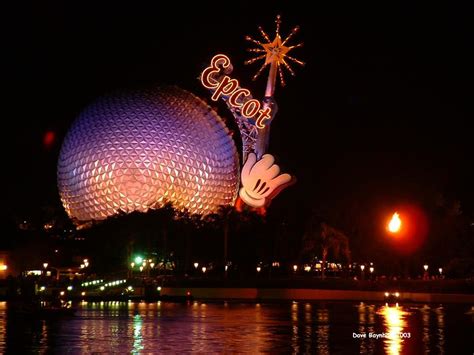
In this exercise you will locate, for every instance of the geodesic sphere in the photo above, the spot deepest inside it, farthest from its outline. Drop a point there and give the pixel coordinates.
(132, 151)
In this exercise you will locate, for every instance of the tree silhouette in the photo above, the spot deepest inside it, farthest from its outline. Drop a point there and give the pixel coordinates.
(322, 237)
(224, 217)
(187, 227)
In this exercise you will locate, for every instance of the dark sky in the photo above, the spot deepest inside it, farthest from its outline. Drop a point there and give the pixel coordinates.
(379, 115)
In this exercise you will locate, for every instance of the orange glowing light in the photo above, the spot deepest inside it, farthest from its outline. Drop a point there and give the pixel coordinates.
(394, 320)
(395, 223)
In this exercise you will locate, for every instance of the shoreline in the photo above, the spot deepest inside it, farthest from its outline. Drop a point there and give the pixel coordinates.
(299, 294)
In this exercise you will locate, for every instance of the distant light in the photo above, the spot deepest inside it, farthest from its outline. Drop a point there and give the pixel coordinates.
(158, 288)
(259, 269)
(3, 267)
(83, 293)
(425, 267)
(204, 269)
(295, 267)
(138, 260)
(141, 268)
(152, 265)
(42, 288)
(45, 265)
(226, 267)
(188, 293)
(196, 265)
(395, 223)
(307, 268)
(440, 270)
(62, 293)
(69, 288)
(387, 294)
(132, 264)
(48, 139)
(371, 269)
(102, 288)
(397, 294)
(362, 267)
(130, 288)
(82, 266)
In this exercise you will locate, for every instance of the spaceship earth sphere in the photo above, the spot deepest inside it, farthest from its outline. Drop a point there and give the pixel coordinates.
(136, 150)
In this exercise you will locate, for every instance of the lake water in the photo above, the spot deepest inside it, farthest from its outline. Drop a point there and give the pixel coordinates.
(204, 327)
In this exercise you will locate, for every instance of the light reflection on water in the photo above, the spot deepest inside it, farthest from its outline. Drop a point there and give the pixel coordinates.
(395, 332)
(297, 327)
(366, 326)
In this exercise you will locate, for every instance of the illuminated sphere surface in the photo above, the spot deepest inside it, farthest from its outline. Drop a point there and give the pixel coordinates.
(133, 151)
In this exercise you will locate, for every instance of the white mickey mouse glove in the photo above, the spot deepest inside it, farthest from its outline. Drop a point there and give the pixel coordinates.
(260, 179)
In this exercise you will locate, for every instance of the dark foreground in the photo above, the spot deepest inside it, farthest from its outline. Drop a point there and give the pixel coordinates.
(321, 327)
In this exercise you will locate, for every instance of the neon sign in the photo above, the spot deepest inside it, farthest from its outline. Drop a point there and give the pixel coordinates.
(229, 89)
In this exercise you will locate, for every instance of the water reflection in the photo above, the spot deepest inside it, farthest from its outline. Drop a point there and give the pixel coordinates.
(395, 323)
(425, 316)
(439, 311)
(297, 327)
(308, 329)
(3, 324)
(366, 326)
(295, 347)
(322, 330)
(137, 334)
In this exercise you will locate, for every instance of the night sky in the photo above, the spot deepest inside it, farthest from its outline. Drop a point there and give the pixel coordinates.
(379, 116)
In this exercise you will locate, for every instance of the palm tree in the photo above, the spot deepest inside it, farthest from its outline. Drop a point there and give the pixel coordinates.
(328, 239)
